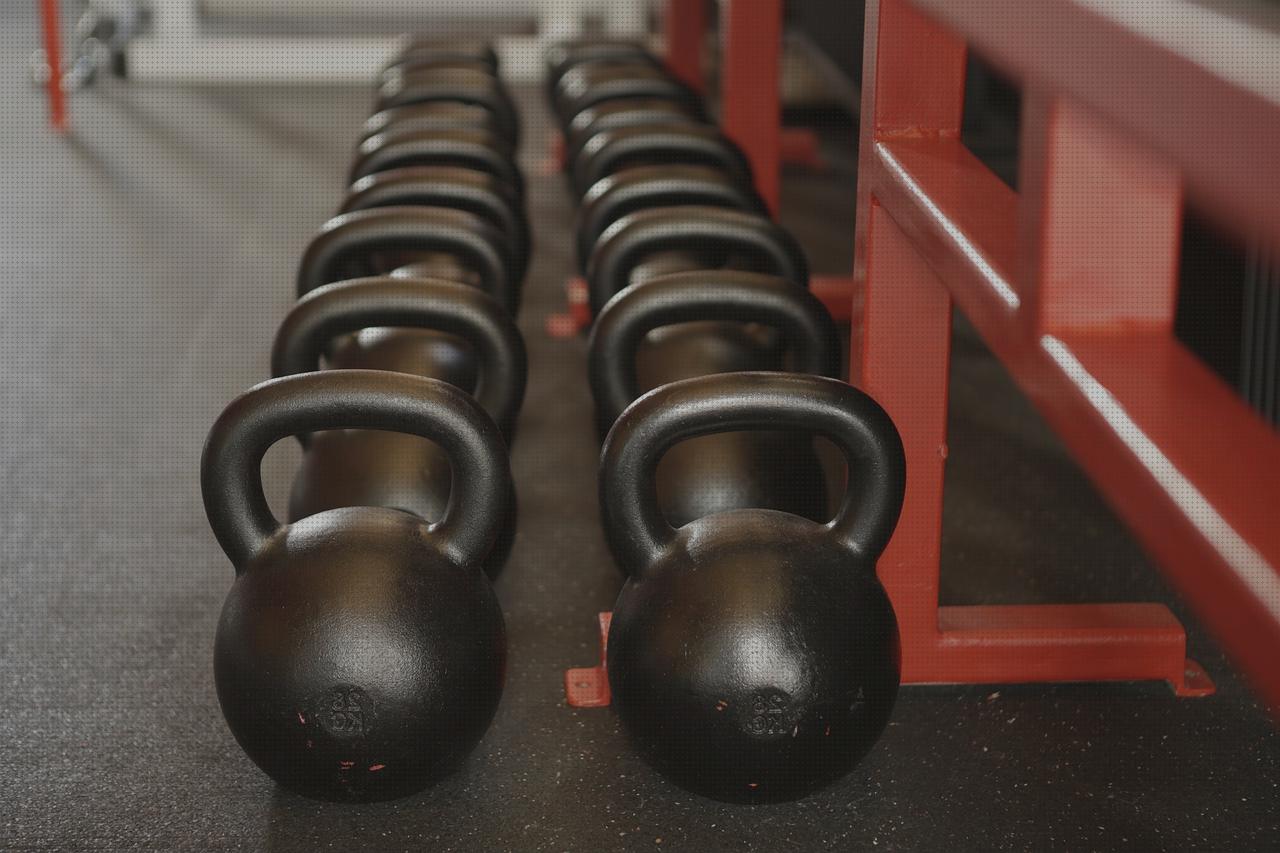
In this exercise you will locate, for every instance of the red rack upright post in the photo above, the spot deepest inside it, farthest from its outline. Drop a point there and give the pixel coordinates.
(53, 56)
(684, 24)
(751, 113)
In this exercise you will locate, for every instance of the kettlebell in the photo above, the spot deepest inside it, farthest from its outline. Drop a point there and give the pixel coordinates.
(432, 115)
(588, 84)
(565, 55)
(361, 652)
(657, 145)
(379, 240)
(438, 329)
(745, 240)
(753, 654)
(456, 85)
(700, 323)
(640, 187)
(469, 190)
(472, 148)
(625, 112)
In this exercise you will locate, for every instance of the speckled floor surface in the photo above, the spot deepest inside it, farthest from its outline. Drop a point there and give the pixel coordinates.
(144, 263)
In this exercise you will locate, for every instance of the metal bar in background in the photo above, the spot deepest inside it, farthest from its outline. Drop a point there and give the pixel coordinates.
(751, 110)
(684, 24)
(53, 57)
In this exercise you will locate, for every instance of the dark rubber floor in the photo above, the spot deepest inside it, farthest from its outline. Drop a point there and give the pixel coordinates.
(145, 261)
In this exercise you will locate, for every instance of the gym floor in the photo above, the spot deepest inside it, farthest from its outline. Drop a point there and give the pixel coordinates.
(148, 257)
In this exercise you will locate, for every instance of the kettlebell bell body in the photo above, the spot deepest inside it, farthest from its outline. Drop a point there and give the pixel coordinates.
(753, 655)
(361, 652)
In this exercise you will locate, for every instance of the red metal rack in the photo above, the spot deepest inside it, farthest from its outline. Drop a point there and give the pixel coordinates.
(1072, 284)
(53, 56)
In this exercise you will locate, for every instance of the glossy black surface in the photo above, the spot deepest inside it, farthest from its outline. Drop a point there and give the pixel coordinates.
(750, 242)
(361, 652)
(753, 655)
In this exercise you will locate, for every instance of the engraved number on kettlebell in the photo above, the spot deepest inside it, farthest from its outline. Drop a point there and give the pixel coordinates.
(769, 714)
(344, 711)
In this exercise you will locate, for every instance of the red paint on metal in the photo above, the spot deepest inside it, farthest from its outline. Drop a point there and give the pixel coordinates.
(750, 110)
(801, 146)
(588, 687)
(684, 28)
(836, 292)
(1072, 286)
(53, 55)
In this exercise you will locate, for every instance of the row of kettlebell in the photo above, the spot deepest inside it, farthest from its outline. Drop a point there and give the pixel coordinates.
(752, 654)
(361, 651)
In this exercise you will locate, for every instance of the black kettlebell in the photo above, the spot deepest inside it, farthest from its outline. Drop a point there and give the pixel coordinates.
(361, 652)
(432, 115)
(657, 145)
(744, 240)
(625, 112)
(469, 190)
(565, 55)
(640, 187)
(588, 84)
(380, 240)
(438, 329)
(471, 148)
(457, 85)
(753, 654)
(700, 323)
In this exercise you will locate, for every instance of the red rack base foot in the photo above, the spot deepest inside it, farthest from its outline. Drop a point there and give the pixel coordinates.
(588, 687)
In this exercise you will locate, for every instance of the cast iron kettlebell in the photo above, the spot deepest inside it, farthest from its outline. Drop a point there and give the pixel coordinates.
(469, 190)
(641, 187)
(624, 112)
(657, 145)
(746, 240)
(753, 655)
(689, 324)
(361, 652)
(458, 85)
(382, 239)
(470, 148)
(438, 329)
(432, 115)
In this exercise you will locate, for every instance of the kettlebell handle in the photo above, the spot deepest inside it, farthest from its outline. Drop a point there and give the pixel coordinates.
(345, 307)
(610, 150)
(641, 187)
(361, 233)
(230, 469)
(627, 243)
(730, 295)
(727, 402)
